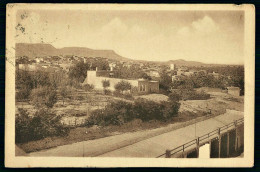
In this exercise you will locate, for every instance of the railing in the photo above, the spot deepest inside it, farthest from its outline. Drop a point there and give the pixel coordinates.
(202, 138)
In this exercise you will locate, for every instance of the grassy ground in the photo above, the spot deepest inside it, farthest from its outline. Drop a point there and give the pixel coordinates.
(189, 110)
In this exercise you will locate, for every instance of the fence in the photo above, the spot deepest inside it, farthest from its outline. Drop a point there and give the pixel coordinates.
(201, 139)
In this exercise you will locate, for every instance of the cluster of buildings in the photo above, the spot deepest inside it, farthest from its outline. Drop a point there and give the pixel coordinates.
(51, 63)
(95, 77)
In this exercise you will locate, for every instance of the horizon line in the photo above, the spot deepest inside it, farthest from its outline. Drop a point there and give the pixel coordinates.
(129, 57)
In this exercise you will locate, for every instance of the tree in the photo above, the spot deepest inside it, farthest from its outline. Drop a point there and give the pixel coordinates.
(41, 78)
(174, 96)
(57, 78)
(79, 71)
(24, 84)
(105, 84)
(45, 96)
(43, 123)
(64, 92)
(145, 76)
(100, 63)
(123, 86)
(165, 81)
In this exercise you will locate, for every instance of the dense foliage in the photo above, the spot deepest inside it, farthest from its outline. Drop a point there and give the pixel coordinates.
(228, 76)
(105, 84)
(165, 81)
(44, 96)
(120, 112)
(27, 81)
(123, 86)
(88, 87)
(40, 125)
(79, 70)
(65, 92)
(128, 96)
(188, 94)
(131, 72)
(223, 77)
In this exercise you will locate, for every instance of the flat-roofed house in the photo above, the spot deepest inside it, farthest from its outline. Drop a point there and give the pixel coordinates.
(235, 91)
(96, 77)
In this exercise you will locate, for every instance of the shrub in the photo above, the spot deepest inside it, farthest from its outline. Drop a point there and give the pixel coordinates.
(134, 90)
(170, 109)
(88, 87)
(65, 92)
(111, 115)
(127, 96)
(147, 110)
(188, 94)
(105, 83)
(44, 96)
(117, 93)
(107, 92)
(23, 93)
(119, 112)
(123, 86)
(42, 124)
(150, 110)
(174, 96)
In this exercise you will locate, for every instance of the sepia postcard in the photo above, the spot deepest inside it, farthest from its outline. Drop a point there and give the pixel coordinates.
(130, 85)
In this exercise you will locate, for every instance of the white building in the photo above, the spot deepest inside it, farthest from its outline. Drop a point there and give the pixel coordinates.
(172, 66)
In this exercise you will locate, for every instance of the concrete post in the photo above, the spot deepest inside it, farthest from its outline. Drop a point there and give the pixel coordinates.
(168, 154)
(228, 144)
(219, 143)
(182, 151)
(235, 124)
(198, 146)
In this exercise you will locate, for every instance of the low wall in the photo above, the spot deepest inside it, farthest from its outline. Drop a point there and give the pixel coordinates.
(227, 144)
(92, 79)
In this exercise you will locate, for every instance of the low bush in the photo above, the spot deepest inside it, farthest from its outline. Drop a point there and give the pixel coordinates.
(120, 112)
(188, 94)
(88, 87)
(107, 92)
(123, 86)
(40, 125)
(43, 96)
(23, 93)
(127, 96)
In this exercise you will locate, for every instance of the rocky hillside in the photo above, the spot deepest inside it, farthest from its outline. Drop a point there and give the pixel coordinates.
(39, 50)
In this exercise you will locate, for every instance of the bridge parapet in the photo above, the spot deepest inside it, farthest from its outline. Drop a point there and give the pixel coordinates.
(225, 141)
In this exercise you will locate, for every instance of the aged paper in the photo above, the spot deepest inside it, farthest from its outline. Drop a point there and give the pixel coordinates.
(130, 85)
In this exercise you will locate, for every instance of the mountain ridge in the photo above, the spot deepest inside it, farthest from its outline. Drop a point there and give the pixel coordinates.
(39, 50)
(33, 50)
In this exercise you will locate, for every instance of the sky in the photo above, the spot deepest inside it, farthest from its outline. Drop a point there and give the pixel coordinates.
(204, 36)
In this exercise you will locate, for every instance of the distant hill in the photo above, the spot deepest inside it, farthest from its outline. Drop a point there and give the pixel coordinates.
(178, 63)
(40, 50)
(181, 62)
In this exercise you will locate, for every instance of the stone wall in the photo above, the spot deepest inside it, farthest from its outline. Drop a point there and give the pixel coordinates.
(143, 86)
